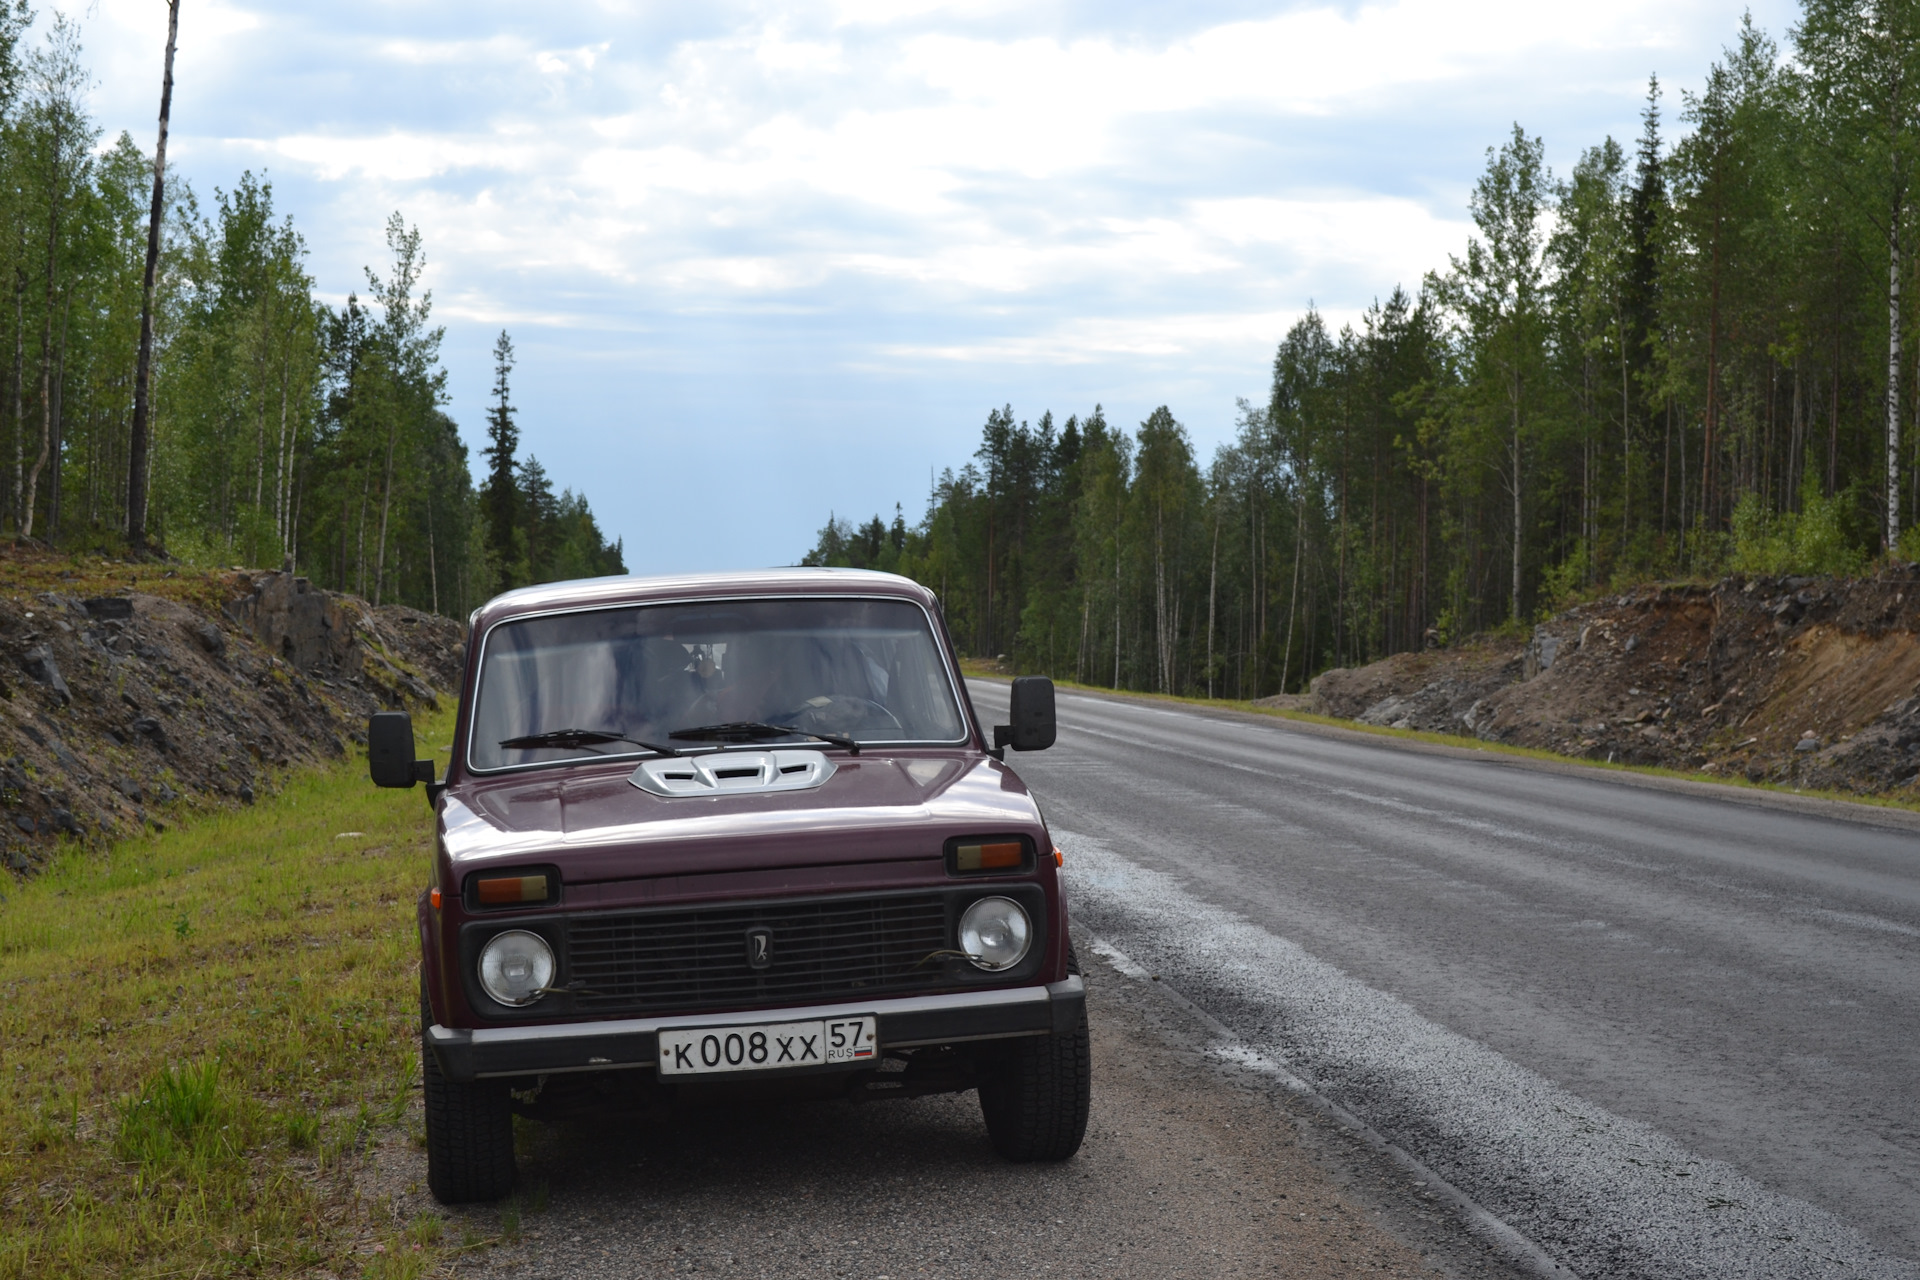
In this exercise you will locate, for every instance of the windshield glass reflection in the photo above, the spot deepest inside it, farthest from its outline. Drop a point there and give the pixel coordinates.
(864, 669)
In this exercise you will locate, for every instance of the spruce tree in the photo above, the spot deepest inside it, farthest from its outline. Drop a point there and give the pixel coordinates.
(1645, 207)
(539, 511)
(501, 499)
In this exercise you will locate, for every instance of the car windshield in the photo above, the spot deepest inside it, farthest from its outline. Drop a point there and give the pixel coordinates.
(862, 669)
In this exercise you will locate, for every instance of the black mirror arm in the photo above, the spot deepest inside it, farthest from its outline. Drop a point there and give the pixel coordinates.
(423, 772)
(1002, 735)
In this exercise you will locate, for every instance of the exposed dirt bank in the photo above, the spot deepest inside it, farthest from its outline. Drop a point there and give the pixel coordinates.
(1809, 682)
(131, 692)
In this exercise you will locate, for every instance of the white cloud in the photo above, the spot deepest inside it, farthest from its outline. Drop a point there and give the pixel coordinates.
(730, 130)
(1097, 340)
(450, 53)
(393, 156)
(856, 201)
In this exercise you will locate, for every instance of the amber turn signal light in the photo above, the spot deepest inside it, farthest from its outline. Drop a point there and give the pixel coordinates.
(500, 891)
(988, 854)
(1006, 856)
(434, 898)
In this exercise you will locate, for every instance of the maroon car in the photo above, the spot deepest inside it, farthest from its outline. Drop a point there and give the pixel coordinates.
(741, 834)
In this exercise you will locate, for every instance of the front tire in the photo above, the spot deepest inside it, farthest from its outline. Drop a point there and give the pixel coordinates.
(469, 1135)
(1035, 1094)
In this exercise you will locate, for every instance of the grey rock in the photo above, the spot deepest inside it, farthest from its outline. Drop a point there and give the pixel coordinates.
(130, 789)
(1541, 652)
(210, 638)
(246, 793)
(25, 823)
(38, 662)
(17, 860)
(1388, 711)
(298, 623)
(104, 607)
(65, 821)
(1807, 744)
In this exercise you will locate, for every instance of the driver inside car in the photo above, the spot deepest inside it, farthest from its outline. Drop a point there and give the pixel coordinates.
(755, 683)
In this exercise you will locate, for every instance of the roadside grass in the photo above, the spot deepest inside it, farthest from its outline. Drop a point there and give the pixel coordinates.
(99, 572)
(1910, 803)
(204, 1030)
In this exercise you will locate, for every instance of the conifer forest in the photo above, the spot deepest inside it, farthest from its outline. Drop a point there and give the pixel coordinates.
(1693, 354)
(283, 431)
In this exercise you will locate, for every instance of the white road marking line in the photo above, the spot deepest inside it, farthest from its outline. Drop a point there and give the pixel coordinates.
(1228, 1047)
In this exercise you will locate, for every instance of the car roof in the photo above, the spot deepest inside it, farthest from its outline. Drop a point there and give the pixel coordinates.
(598, 592)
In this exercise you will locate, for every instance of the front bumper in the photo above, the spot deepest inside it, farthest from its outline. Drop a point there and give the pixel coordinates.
(1055, 1008)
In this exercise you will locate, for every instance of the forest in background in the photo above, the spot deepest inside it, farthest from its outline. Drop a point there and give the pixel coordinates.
(1687, 358)
(284, 431)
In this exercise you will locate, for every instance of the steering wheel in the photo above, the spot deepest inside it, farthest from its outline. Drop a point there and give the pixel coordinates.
(841, 713)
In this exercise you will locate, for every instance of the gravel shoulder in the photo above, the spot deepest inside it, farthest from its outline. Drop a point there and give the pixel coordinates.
(1192, 1166)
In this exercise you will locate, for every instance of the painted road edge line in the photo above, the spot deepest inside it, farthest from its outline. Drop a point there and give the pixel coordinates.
(1507, 1240)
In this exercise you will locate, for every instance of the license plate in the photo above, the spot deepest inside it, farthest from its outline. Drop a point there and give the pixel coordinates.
(769, 1046)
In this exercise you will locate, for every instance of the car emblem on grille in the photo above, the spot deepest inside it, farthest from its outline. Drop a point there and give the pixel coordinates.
(759, 949)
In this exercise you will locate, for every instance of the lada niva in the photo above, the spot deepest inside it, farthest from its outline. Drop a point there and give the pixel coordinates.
(733, 836)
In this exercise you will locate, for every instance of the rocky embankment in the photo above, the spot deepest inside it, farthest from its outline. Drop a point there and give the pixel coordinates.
(132, 693)
(1808, 682)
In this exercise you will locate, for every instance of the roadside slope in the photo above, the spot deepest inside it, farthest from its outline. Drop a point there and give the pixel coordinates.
(1796, 681)
(130, 693)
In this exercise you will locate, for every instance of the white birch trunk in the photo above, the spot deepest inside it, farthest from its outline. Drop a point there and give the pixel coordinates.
(1893, 385)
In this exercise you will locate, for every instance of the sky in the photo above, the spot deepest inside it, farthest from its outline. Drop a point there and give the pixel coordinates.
(763, 263)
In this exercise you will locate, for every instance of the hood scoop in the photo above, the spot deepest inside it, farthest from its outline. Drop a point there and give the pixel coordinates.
(732, 773)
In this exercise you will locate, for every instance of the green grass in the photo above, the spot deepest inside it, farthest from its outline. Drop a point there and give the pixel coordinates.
(203, 1031)
(973, 667)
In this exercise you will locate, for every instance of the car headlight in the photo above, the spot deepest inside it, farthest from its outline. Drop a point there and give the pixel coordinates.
(515, 966)
(995, 933)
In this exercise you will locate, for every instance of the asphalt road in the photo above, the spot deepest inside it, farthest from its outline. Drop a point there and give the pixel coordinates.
(1660, 1034)
(1194, 1164)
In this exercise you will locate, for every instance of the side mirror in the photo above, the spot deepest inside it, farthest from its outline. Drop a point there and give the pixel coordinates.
(1033, 727)
(390, 752)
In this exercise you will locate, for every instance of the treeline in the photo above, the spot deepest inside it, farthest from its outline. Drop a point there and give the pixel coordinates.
(1680, 360)
(284, 431)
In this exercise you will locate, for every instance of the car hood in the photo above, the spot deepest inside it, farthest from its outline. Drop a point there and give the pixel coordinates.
(596, 825)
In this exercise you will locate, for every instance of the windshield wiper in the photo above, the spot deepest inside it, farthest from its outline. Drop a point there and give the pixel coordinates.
(573, 738)
(754, 731)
